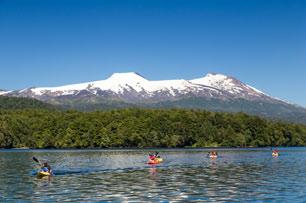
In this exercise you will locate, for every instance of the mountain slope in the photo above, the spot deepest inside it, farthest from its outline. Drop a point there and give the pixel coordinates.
(9, 103)
(275, 111)
(2, 92)
(230, 85)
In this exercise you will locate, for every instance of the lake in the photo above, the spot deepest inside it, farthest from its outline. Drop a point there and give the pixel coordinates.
(185, 175)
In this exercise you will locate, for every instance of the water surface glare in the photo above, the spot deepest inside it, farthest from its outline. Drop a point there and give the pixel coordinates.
(185, 175)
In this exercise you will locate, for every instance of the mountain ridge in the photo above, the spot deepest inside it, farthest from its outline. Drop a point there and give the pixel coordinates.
(216, 92)
(211, 85)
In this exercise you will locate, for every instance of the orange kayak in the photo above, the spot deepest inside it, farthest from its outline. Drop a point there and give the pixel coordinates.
(155, 161)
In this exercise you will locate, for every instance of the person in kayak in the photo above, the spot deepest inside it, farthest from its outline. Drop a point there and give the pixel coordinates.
(154, 156)
(275, 153)
(213, 154)
(45, 167)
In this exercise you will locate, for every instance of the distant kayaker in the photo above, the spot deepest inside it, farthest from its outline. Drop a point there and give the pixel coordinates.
(213, 154)
(154, 156)
(275, 153)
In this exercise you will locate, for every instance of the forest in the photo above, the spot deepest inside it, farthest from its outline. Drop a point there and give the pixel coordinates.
(142, 128)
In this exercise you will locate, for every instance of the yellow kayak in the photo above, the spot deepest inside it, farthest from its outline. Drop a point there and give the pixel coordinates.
(41, 174)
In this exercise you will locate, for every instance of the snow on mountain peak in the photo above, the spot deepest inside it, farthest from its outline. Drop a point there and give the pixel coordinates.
(213, 79)
(2, 92)
(134, 84)
(227, 83)
(119, 82)
(215, 76)
(126, 77)
(139, 83)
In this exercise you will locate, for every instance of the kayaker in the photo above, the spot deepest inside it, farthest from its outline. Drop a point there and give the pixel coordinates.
(45, 167)
(275, 153)
(213, 154)
(156, 155)
(153, 156)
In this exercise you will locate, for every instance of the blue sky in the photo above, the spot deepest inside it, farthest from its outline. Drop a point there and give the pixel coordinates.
(50, 43)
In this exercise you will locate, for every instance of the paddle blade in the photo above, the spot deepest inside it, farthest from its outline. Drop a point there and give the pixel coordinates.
(35, 159)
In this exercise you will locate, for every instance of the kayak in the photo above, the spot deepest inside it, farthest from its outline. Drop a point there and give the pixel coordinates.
(155, 161)
(213, 156)
(275, 154)
(41, 174)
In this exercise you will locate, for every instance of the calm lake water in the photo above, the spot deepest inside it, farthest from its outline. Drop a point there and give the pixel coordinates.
(186, 175)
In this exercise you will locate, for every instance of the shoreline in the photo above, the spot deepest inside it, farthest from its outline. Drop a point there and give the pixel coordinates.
(145, 149)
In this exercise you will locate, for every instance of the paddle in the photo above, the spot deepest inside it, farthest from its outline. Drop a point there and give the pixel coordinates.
(36, 160)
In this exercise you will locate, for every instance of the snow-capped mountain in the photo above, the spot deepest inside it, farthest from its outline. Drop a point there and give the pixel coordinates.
(215, 92)
(134, 88)
(226, 83)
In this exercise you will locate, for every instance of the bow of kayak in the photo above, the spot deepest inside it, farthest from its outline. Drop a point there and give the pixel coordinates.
(41, 174)
(213, 156)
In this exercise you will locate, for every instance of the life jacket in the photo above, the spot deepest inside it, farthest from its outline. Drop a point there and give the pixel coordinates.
(152, 157)
(44, 169)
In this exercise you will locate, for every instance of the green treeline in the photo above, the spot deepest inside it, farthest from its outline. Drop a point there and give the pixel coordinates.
(22, 103)
(41, 128)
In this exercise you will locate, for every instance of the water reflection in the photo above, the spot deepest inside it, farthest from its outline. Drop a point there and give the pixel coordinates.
(185, 175)
(153, 171)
